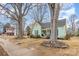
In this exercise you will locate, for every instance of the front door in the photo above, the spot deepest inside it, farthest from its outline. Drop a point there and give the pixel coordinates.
(36, 32)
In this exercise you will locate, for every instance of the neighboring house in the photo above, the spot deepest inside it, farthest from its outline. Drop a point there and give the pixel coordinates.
(15, 30)
(8, 29)
(43, 29)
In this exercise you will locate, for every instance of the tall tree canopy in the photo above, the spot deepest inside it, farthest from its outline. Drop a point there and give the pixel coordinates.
(16, 11)
(38, 13)
(73, 17)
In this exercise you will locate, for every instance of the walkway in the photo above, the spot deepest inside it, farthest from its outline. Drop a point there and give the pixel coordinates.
(13, 49)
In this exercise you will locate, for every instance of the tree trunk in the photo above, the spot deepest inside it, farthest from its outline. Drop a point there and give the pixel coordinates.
(20, 29)
(73, 28)
(54, 17)
(53, 38)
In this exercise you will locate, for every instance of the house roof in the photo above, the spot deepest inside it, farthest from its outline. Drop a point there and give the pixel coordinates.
(60, 23)
(45, 25)
(10, 27)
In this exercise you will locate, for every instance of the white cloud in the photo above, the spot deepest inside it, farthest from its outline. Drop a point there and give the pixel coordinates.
(64, 17)
(76, 20)
(67, 6)
(70, 11)
(67, 12)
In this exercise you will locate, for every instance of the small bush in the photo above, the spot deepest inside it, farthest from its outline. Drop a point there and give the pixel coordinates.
(67, 36)
(46, 37)
(32, 36)
(77, 34)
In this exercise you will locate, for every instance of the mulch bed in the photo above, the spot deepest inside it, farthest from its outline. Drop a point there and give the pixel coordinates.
(56, 44)
(2, 52)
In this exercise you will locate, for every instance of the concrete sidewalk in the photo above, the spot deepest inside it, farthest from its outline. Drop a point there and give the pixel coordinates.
(13, 49)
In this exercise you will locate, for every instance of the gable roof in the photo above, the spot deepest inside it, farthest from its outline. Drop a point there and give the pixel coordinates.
(45, 25)
(8, 26)
(60, 23)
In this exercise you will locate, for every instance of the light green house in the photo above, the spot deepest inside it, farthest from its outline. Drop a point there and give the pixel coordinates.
(43, 29)
(36, 30)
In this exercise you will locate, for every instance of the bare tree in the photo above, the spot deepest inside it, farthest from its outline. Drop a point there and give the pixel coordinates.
(54, 11)
(72, 20)
(39, 12)
(16, 11)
